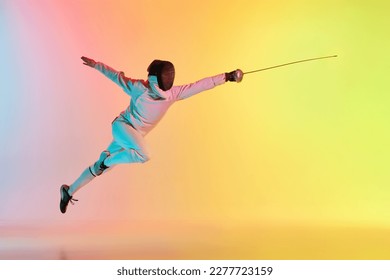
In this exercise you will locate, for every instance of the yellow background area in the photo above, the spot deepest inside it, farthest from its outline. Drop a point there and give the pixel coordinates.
(290, 163)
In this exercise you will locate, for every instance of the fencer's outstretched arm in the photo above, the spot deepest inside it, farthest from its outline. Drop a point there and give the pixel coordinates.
(185, 91)
(117, 77)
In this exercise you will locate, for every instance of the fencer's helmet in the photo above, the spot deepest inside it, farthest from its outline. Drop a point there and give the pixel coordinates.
(165, 72)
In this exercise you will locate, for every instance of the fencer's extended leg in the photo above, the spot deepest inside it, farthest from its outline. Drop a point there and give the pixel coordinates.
(68, 191)
(81, 181)
(88, 174)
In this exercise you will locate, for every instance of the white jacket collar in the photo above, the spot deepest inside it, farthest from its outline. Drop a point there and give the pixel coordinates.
(153, 83)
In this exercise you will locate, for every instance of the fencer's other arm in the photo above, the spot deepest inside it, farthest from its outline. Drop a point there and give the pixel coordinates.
(117, 77)
(88, 61)
(185, 91)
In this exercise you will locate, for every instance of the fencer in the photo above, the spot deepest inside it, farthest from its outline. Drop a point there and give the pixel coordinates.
(149, 101)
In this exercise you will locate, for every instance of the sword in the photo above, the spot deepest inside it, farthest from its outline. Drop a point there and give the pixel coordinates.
(240, 74)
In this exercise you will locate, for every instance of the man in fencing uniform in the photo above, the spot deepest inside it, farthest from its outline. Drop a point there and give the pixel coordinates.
(150, 100)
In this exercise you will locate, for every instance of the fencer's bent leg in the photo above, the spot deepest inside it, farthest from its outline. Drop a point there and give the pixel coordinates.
(98, 167)
(113, 148)
(133, 144)
(128, 146)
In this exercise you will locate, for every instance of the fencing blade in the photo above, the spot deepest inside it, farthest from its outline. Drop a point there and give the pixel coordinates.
(285, 64)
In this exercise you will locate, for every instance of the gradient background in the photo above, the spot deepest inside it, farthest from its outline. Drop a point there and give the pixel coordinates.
(291, 163)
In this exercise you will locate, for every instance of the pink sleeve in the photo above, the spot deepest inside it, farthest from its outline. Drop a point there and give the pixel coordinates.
(185, 91)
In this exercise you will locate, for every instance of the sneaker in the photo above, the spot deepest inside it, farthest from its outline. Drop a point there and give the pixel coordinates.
(65, 198)
(99, 166)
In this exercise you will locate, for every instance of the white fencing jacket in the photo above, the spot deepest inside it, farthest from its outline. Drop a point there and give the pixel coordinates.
(148, 102)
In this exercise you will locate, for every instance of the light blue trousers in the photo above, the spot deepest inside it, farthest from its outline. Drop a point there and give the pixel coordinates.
(128, 145)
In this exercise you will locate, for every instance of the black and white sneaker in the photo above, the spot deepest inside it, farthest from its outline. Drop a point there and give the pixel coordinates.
(65, 198)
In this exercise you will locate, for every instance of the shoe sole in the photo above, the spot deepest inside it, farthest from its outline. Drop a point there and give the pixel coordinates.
(62, 196)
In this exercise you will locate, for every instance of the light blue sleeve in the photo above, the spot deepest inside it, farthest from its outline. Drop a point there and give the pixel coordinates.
(117, 77)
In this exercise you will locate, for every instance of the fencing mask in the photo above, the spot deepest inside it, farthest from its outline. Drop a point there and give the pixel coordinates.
(165, 72)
